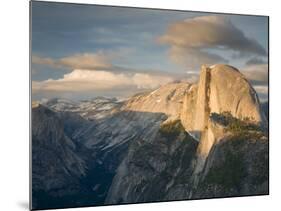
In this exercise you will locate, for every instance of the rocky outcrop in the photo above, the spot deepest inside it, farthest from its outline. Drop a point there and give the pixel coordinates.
(167, 99)
(153, 171)
(56, 166)
(237, 164)
(221, 88)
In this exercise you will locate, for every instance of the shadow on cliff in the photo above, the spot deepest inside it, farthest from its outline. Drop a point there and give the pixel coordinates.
(223, 170)
(101, 163)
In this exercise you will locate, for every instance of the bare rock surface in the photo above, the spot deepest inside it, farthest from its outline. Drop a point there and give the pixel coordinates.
(180, 141)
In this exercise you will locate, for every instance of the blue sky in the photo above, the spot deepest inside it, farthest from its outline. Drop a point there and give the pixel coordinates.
(71, 42)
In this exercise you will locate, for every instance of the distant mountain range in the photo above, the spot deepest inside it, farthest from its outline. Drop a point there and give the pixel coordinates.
(96, 108)
(180, 141)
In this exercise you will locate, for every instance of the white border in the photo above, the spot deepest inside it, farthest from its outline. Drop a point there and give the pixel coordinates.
(14, 119)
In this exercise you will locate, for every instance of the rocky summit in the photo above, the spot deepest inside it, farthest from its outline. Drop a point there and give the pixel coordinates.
(180, 141)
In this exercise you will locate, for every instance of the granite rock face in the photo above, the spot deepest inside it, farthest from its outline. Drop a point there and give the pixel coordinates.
(167, 99)
(56, 166)
(221, 89)
(153, 170)
(238, 163)
(180, 141)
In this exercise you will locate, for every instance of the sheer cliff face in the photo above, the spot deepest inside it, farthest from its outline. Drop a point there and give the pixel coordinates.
(221, 88)
(152, 171)
(56, 167)
(51, 143)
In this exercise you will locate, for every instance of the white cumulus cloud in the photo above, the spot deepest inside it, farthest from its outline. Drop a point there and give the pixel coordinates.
(91, 80)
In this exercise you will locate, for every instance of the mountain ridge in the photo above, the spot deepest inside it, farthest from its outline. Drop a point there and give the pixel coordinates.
(166, 144)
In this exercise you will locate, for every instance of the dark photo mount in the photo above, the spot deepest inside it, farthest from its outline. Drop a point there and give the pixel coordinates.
(139, 105)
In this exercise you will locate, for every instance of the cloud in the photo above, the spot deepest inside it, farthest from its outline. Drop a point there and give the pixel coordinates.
(261, 89)
(256, 73)
(195, 41)
(255, 60)
(42, 60)
(79, 81)
(77, 61)
(191, 76)
(193, 58)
